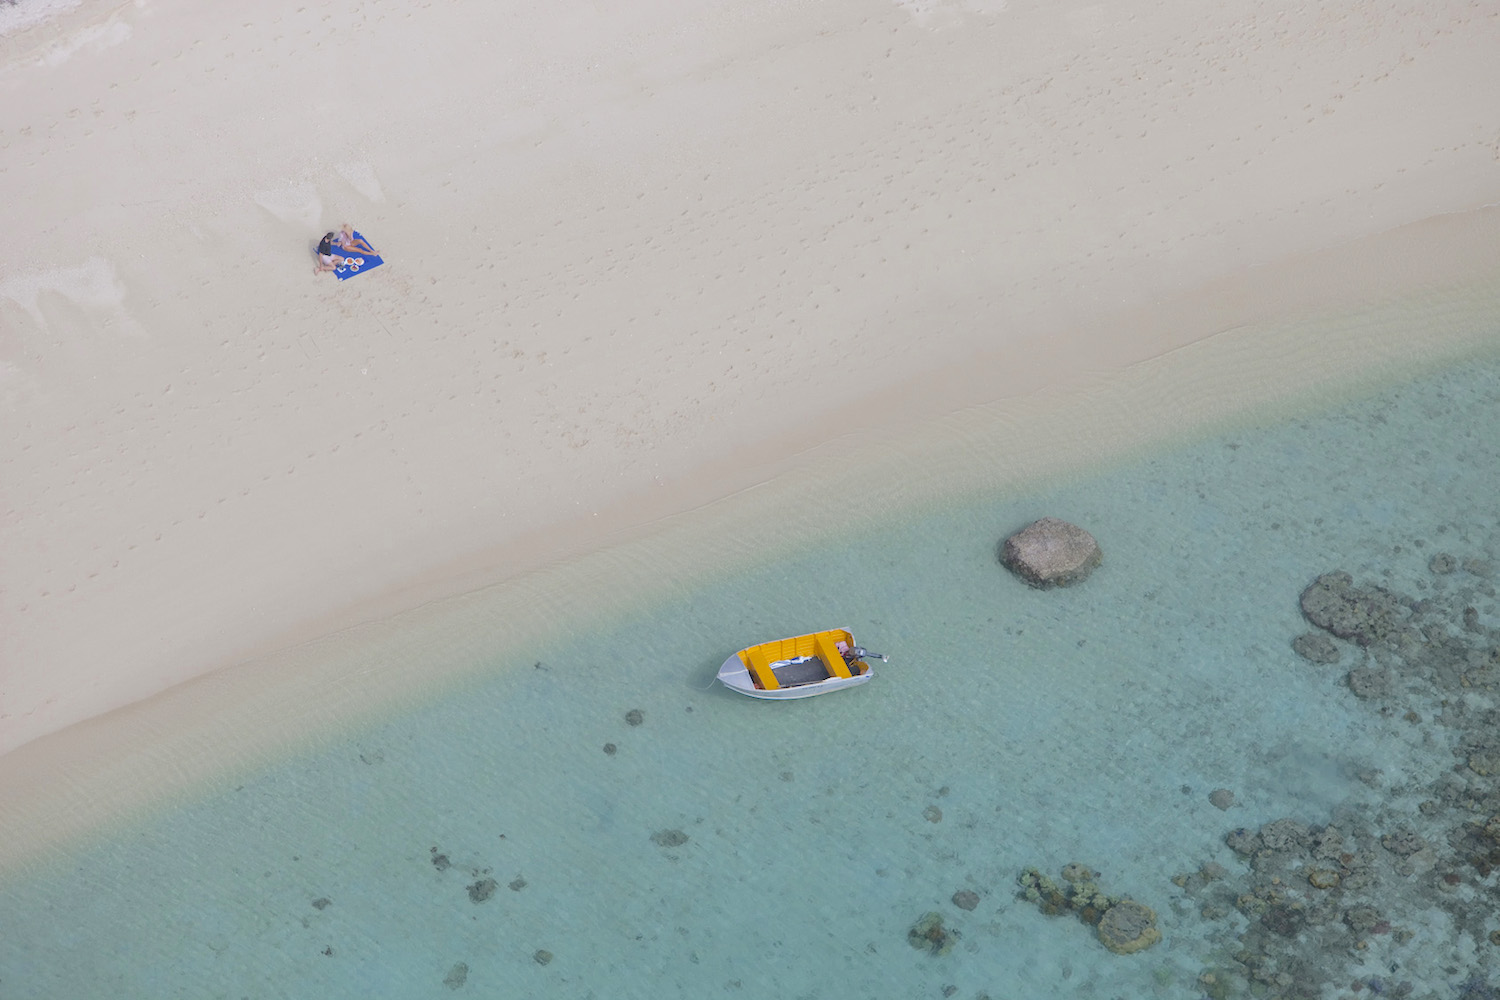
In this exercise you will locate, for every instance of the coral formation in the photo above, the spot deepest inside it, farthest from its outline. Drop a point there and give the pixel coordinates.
(1323, 878)
(1362, 614)
(1123, 925)
(1316, 647)
(1128, 927)
(928, 934)
(481, 890)
(1329, 901)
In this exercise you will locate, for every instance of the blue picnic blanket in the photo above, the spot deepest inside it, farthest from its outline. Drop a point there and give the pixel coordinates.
(356, 258)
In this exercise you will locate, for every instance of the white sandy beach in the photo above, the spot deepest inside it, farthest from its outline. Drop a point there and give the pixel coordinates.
(641, 256)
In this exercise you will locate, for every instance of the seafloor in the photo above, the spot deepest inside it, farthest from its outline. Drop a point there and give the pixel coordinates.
(1269, 718)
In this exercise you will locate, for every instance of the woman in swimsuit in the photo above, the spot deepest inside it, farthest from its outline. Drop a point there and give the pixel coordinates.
(344, 239)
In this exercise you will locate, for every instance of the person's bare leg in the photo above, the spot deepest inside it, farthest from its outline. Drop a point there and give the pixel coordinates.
(348, 241)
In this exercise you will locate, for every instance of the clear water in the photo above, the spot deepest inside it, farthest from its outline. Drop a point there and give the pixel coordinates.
(1012, 728)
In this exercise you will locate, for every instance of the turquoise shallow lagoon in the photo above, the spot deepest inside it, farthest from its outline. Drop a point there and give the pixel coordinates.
(524, 838)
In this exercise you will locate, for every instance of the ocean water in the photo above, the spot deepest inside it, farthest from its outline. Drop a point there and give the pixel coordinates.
(591, 818)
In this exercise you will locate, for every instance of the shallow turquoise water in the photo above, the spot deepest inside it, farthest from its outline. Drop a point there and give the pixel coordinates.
(1012, 728)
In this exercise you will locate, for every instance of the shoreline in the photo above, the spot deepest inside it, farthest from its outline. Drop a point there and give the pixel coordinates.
(729, 240)
(650, 274)
(1442, 254)
(63, 789)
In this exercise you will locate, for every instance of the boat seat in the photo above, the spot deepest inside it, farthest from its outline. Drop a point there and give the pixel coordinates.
(829, 654)
(760, 668)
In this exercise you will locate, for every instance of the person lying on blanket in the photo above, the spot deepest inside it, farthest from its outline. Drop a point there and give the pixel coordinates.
(344, 239)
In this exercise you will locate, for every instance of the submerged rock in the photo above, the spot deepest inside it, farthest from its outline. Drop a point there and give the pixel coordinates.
(1362, 919)
(1128, 927)
(1243, 842)
(457, 976)
(1221, 798)
(965, 899)
(669, 838)
(482, 890)
(1284, 919)
(1366, 682)
(1403, 842)
(1050, 553)
(1316, 648)
(1285, 834)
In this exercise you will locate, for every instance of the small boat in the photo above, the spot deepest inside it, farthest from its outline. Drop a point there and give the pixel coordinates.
(799, 667)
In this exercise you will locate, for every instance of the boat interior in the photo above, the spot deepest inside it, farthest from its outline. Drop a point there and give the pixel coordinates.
(805, 659)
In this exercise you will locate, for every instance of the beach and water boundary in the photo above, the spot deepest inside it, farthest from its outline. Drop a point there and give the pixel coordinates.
(626, 261)
(468, 832)
(360, 644)
(65, 786)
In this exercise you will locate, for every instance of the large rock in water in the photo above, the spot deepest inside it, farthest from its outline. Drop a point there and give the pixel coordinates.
(1050, 553)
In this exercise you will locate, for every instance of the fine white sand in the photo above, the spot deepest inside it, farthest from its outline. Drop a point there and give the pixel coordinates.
(641, 256)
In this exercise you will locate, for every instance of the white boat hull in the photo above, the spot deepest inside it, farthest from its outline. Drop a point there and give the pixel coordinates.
(736, 676)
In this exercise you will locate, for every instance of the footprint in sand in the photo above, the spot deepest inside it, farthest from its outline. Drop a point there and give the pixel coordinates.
(946, 13)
